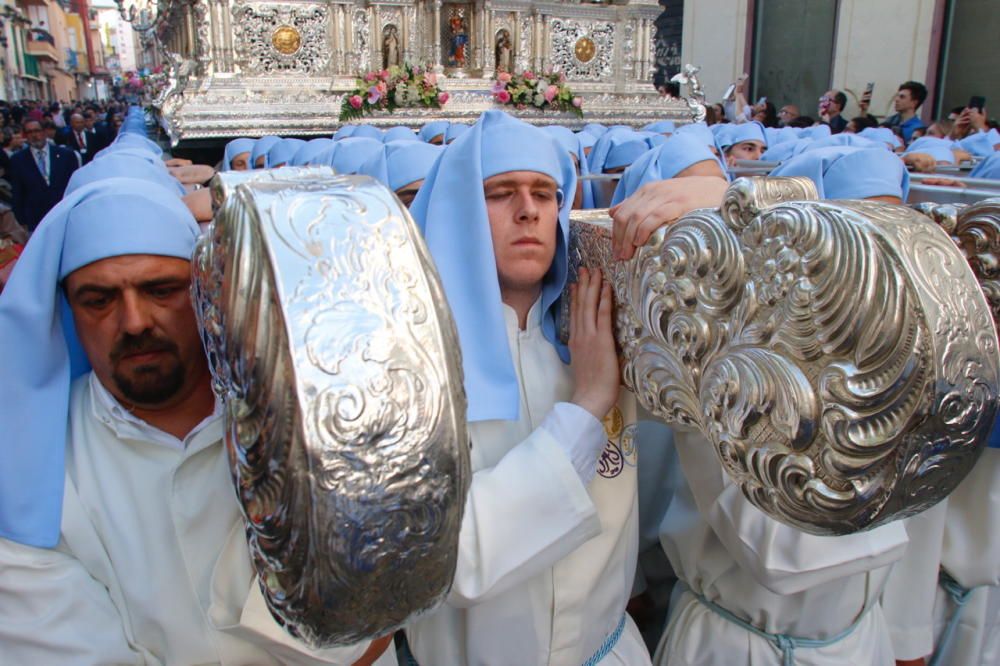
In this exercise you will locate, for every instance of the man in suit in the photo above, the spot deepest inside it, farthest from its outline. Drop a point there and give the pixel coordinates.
(78, 138)
(39, 175)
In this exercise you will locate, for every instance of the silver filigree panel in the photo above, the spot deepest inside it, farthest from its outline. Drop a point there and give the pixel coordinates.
(570, 49)
(362, 44)
(839, 356)
(282, 38)
(333, 353)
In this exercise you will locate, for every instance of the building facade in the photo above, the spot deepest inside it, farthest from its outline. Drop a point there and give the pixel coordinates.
(795, 50)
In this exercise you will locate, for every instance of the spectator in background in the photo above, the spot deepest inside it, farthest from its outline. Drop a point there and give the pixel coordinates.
(831, 106)
(765, 114)
(905, 121)
(49, 130)
(39, 176)
(802, 122)
(78, 139)
(787, 114)
(859, 123)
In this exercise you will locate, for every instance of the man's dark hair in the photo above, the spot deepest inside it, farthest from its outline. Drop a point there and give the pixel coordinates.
(863, 122)
(802, 121)
(48, 124)
(918, 91)
(841, 100)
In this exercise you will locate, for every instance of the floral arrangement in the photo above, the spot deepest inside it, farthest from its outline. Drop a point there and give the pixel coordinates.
(541, 91)
(390, 89)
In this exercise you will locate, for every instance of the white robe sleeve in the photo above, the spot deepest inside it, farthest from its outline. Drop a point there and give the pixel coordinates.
(523, 515)
(908, 597)
(52, 611)
(783, 559)
(971, 551)
(239, 610)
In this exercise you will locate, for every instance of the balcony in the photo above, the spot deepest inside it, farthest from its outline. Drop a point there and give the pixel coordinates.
(42, 45)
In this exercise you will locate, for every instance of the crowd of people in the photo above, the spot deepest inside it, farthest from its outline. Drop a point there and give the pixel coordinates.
(589, 536)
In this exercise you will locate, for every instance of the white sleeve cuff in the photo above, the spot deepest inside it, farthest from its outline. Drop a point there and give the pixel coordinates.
(580, 436)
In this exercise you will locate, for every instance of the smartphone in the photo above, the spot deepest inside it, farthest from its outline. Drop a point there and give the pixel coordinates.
(977, 102)
(866, 96)
(762, 101)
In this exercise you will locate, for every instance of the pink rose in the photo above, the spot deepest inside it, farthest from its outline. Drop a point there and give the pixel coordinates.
(384, 75)
(504, 76)
(370, 76)
(431, 79)
(577, 102)
(550, 93)
(443, 98)
(381, 87)
(355, 101)
(529, 75)
(503, 97)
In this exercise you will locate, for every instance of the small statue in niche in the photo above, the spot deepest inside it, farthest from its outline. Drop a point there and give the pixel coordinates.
(390, 46)
(502, 52)
(459, 40)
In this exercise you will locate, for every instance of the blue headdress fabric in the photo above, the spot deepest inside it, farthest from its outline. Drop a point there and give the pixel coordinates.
(433, 129)
(454, 131)
(344, 132)
(282, 152)
(113, 217)
(349, 154)
(883, 134)
(401, 162)
(982, 144)
(399, 133)
(234, 148)
(136, 140)
(367, 132)
(939, 149)
(124, 164)
(663, 162)
(260, 147)
(451, 211)
(305, 154)
(848, 172)
(988, 168)
(661, 127)
(733, 134)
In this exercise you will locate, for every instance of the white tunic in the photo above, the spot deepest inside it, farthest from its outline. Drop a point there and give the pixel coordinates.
(776, 577)
(546, 563)
(152, 566)
(971, 555)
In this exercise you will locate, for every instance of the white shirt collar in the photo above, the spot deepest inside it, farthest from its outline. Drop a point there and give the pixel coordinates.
(534, 319)
(126, 424)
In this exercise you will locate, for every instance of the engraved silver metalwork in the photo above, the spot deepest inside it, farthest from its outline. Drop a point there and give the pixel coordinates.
(696, 94)
(839, 355)
(332, 349)
(265, 34)
(244, 67)
(976, 231)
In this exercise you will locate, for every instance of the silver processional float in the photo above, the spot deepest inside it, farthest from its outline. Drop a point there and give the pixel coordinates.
(839, 356)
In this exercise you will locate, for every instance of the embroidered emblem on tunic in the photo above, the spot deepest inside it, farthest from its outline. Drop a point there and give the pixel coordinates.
(613, 423)
(611, 462)
(628, 445)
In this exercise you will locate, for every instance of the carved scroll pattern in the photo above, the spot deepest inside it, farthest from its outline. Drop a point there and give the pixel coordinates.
(835, 354)
(346, 437)
(255, 25)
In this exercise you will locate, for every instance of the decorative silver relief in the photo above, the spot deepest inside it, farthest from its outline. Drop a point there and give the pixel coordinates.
(333, 353)
(566, 34)
(523, 54)
(839, 356)
(362, 45)
(976, 231)
(282, 39)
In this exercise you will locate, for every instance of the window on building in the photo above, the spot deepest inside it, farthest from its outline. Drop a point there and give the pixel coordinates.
(793, 51)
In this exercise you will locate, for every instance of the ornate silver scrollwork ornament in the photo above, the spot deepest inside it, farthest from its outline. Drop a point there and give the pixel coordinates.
(838, 355)
(696, 94)
(332, 349)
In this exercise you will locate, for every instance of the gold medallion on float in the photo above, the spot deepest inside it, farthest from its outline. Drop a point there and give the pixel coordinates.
(585, 49)
(286, 40)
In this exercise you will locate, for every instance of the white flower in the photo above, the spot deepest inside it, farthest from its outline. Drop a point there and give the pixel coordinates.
(539, 100)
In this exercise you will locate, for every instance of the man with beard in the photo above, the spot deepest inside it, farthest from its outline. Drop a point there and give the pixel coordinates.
(121, 539)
